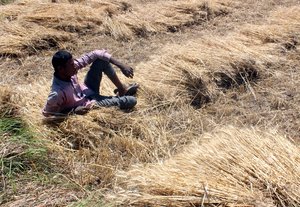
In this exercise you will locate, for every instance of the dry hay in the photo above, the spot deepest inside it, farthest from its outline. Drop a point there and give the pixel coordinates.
(20, 38)
(36, 195)
(228, 167)
(187, 74)
(193, 73)
(199, 70)
(24, 39)
(7, 106)
(81, 19)
(164, 16)
(281, 27)
(95, 145)
(33, 26)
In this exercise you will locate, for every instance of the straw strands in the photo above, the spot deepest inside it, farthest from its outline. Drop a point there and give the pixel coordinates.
(166, 16)
(282, 25)
(36, 26)
(211, 78)
(7, 106)
(227, 167)
(201, 68)
(24, 39)
(195, 74)
(39, 195)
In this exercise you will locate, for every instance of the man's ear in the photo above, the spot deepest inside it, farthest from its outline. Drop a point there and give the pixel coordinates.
(60, 68)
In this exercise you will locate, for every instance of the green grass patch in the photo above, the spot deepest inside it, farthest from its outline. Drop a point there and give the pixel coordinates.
(26, 162)
(19, 150)
(3, 2)
(23, 158)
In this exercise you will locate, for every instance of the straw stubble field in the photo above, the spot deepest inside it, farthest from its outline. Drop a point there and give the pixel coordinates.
(217, 120)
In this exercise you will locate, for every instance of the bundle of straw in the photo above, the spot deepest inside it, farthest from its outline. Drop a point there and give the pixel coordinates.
(229, 166)
(198, 70)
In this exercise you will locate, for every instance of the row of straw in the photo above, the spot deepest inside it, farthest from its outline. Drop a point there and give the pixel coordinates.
(36, 26)
(167, 81)
(229, 166)
(160, 126)
(197, 71)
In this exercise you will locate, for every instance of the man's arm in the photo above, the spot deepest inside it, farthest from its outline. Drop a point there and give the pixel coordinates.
(90, 57)
(126, 70)
(54, 105)
(84, 109)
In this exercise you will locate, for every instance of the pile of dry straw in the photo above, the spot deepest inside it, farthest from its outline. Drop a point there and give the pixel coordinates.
(229, 166)
(33, 26)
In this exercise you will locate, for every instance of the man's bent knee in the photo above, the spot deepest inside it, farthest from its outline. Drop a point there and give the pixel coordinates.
(104, 66)
(100, 63)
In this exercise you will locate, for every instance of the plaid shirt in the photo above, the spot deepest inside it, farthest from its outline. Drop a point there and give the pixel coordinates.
(65, 96)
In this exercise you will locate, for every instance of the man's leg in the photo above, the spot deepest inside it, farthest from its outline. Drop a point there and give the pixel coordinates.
(123, 102)
(93, 80)
(94, 76)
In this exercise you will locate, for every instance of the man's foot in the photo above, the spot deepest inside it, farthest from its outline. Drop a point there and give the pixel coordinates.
(129, 91)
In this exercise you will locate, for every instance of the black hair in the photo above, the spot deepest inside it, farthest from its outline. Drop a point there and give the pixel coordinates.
(60, 58)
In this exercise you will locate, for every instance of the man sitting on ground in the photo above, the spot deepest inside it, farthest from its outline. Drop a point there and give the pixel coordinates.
(68, 95)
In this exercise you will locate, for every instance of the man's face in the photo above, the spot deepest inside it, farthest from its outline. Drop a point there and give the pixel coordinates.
(69, 69)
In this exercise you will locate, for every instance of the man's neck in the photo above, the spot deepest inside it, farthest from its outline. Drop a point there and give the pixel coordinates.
(63, 78)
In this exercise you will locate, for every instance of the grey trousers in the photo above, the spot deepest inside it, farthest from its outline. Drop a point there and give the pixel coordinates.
(93, 79)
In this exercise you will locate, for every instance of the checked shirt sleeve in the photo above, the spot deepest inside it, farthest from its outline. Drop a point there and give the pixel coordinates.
(90, 57)
(55, 104)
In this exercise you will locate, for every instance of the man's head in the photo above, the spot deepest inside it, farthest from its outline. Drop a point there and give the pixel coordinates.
(63, 64)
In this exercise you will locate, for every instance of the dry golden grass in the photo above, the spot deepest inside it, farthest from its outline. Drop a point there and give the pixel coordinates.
(7, 106)
(166, 16)
(40, 25)
(230, 166)
(197, 70)
(30, 39)
(44, 196)
(37, 26)
(282, 26)
(186, 89)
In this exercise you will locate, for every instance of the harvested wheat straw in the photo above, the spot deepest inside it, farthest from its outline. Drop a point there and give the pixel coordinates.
(24, 39)
(194, 72)
(35, 26)
(191, 68)
(158, 128)
(238, 166)
(38, 20)
(166, 16)
(282, 24)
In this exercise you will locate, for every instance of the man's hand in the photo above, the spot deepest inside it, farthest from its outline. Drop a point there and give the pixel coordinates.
(127, 71)
(81, 110)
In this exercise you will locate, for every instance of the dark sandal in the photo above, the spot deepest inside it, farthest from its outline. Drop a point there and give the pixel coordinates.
(131, 90)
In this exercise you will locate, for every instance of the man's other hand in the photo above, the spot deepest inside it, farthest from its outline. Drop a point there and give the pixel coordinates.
(81, 110)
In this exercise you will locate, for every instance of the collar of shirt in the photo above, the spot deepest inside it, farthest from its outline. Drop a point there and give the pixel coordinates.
(72, 83)
(59, 82)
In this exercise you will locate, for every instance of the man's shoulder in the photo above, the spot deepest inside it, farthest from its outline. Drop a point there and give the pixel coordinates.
(55, 95)
(59, 84)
